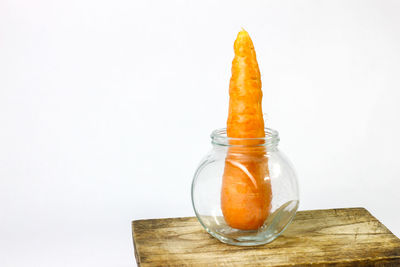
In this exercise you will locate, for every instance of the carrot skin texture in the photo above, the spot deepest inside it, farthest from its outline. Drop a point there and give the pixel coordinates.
(246, 189)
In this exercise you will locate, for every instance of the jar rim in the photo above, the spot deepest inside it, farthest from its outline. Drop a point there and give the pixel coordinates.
(220, 137)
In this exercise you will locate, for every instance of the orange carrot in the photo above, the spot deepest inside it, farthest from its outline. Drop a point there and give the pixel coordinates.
(246, 192)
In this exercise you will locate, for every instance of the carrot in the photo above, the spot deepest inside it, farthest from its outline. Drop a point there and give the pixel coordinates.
(246, 192)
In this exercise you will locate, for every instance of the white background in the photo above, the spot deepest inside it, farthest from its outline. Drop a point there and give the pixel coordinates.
(106, 109)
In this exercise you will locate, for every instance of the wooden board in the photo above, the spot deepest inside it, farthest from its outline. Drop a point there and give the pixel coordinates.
(335, 237)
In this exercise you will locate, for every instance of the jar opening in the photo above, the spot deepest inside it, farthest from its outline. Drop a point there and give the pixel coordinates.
(219, 137)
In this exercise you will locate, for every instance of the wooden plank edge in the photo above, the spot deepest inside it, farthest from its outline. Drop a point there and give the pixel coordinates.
(135, 247)
(190, 217)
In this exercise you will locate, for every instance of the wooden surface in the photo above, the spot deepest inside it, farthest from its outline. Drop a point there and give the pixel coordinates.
(336, 237)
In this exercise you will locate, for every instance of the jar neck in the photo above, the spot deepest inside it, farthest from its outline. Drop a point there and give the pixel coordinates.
(270, 142)
(245, 149)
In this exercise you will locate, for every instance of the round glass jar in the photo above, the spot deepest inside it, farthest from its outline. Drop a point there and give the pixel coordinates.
(280, 177)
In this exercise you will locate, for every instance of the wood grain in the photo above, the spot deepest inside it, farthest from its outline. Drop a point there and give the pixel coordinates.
(334, 237)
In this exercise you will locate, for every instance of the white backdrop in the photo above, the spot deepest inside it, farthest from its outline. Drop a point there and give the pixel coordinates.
(106, 109)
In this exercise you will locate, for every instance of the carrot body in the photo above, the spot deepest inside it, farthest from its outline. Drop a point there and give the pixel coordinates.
(246, 192)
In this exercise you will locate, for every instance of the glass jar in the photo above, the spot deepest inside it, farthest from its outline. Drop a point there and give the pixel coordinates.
(231, 181)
